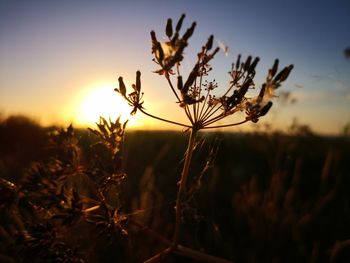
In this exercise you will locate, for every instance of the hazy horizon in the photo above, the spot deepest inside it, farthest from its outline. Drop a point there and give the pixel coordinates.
(60, 61)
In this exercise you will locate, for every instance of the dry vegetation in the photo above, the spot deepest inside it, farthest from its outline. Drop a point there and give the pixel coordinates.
(264, 198)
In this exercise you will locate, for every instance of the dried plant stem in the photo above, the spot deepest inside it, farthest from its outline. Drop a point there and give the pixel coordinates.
(209, 112)
(165, 120)
(227, 125)
(172, 87)
(160, 256)
(199, 256)
(182, 187)
(179, 249)
(178, 98)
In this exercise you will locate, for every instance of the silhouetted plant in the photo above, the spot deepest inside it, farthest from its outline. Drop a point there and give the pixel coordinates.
(61, 194)
(195, 95)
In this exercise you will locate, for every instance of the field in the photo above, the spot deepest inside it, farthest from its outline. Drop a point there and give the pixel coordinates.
(249, 198)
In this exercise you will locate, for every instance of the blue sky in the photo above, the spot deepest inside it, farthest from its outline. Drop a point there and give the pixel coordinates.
(53, 51)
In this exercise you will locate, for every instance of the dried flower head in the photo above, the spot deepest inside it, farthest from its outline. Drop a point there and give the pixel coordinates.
(135, 97)
(195, 93)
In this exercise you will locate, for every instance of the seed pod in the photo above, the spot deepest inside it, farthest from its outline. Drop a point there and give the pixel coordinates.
(284, 73)
(244, 88)
(179, 24)
(189, 32)
(138, 81)
(177, 57)
(261, 93)
(191, 78)
(232, 101)
(238, 62)
(159, 52)
(153, 36)
(265, 109)
(274, 68)
(169, 28)
(188, 100)
(253, 65)
(215, 51)
(179, 83)
(209, 43)
(124, 125)
(247, 63)
(175, 38)
(122, 87)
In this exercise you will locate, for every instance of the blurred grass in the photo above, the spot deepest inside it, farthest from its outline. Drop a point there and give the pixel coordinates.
(265, 198)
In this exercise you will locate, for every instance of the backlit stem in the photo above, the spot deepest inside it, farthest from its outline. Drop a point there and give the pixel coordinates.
(182, 187)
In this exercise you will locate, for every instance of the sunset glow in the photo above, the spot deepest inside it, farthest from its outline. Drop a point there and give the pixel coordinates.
(101, 101)
(61, 61)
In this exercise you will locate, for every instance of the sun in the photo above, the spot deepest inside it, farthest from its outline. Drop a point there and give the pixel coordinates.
(101, 101)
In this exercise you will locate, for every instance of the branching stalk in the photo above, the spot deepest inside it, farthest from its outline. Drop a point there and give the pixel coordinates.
(165, 120)
(226, 125)
(188, 114)
(182, 187)
(202, 110)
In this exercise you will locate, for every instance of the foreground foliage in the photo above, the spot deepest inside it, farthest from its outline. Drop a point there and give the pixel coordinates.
(265, 198)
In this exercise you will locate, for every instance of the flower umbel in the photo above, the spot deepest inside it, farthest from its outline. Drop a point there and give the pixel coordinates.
(195, 93)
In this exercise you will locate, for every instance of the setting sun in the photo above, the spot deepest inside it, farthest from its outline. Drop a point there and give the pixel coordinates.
(102, 101)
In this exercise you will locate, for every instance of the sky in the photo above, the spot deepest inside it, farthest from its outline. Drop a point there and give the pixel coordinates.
(60, 60)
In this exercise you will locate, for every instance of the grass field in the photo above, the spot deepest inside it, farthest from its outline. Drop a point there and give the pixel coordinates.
(250, 197)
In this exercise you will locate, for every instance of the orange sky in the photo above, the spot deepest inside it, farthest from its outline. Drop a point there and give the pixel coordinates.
(60, 61)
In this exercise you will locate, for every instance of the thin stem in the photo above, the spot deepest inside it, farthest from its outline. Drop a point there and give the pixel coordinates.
(188, 113)
(182, 186)
(172, 87)
(197, 105)
(179, 249)
(199, 94)
(159, 257)
(165, 120)
(229, 88)
(178, 99)
(227, 125)
(215, 119)
(210, 111)
(150, 232)
(219, 117)
(194, 111)
(194, 104)
(202, 107)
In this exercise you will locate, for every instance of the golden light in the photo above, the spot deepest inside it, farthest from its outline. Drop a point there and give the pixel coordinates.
(102, 101)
